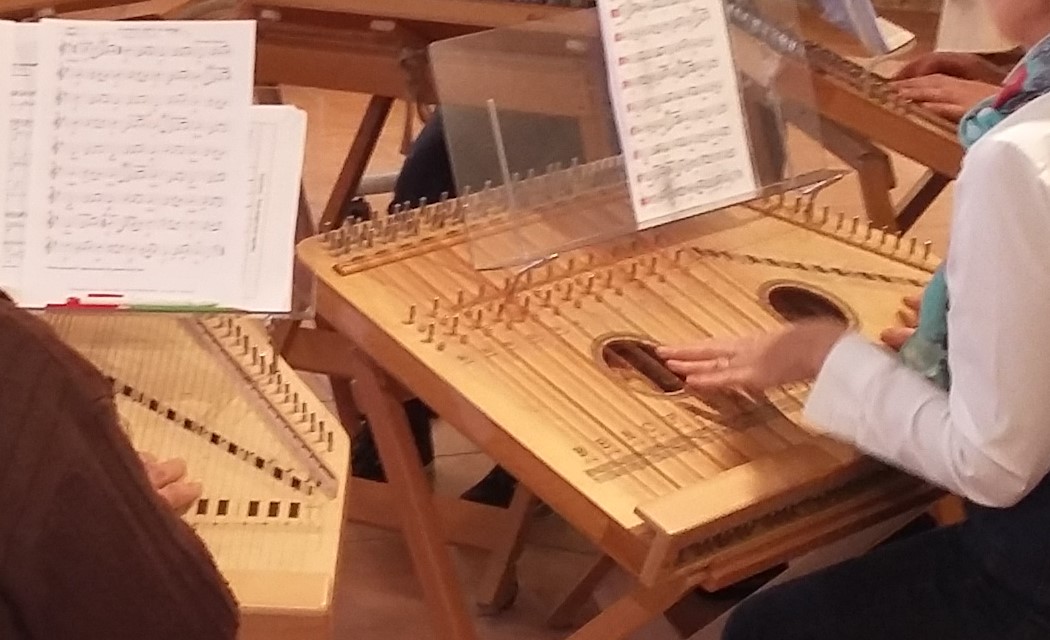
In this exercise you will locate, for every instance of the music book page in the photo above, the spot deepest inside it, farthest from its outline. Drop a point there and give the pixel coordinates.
(278, 143)
(18, 126)
(7, 91)
(140, 161)
(678, 107)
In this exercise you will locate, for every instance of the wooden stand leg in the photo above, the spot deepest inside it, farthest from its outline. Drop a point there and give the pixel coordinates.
(419, 524)
(564, 614)
(874, 172)
(356, 160)
(631, 612)
(499, 583)
(919, 199)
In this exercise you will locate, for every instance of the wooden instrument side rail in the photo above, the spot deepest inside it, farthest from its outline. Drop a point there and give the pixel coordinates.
(755, 516)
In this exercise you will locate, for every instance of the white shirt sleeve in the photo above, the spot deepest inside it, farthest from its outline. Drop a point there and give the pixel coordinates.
(988, 439)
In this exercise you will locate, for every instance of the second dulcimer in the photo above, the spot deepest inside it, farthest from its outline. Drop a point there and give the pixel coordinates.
(850, 95)
(552, 371)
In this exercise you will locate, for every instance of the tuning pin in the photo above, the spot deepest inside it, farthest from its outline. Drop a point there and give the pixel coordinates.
(331, 442)
(313, 422)
(434, 306)
(455, 326)
(841, 220)
(652, 265)
(634, 270)
(572, 265)
(568, 291)
(926, 248)
(826, 211)
(608, 278)
(430, 333)
(590, 283)
(525, 303)
(678, 256)
(897, 240)
(856, 223)
(411, 315)
(867, 231)
(477, 318)
(460, 298)
(911, 246)
(499, 311)
(547, 298)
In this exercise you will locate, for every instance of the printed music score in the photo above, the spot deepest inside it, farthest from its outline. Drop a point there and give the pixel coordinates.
(142, 133)
(273, 192)
(136, 172)
(678, 107)
(16, 126)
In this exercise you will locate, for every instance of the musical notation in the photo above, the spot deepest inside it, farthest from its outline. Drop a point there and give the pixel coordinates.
(678, 107)
(21, 95)
(143, 137)
(75, 250)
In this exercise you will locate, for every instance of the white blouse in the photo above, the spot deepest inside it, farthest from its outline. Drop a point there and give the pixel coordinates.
(988, 439)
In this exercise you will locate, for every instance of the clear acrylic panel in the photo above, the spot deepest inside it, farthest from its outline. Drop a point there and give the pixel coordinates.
(533, 141)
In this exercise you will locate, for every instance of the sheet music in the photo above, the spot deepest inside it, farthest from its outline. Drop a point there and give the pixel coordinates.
(858, 17)
(7, 54)
(18, 126)
(146, 154)
(278, 142)
(967, 26)
(678, 107)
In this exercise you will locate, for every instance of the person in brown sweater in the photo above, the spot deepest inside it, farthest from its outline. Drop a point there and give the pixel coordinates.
(90, 547)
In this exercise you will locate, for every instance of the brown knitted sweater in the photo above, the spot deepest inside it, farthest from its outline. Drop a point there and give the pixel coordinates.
(87, 549)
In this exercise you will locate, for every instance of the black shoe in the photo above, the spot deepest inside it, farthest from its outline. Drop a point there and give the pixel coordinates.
(364, 457)
(496, 489)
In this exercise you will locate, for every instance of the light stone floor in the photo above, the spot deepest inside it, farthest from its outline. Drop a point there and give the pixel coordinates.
(382, 599)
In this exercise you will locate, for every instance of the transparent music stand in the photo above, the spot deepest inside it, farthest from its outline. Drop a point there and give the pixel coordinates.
(532, 137)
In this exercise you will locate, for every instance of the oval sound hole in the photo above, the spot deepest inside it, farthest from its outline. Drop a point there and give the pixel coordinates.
(795, 303)
(638, 362)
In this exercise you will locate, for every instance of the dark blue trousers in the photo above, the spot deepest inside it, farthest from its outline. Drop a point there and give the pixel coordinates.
(985, 579)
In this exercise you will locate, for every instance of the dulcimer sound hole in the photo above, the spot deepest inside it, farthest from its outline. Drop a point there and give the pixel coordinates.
(636, 361)
(793, 303)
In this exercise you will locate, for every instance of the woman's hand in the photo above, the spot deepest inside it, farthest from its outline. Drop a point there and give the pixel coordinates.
(791, 354)
(967, 66)
(895, 337)
(167, 479)
(947, 96)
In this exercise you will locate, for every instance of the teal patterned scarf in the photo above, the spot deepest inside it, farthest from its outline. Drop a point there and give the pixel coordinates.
(927, 350)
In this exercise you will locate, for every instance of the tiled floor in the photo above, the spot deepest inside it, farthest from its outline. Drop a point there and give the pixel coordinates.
(381, 599)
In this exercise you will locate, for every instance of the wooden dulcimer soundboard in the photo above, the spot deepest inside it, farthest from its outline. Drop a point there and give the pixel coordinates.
(552, 371)
(272, 460)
